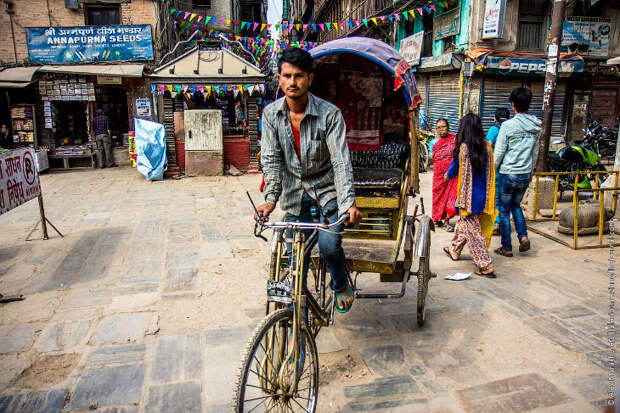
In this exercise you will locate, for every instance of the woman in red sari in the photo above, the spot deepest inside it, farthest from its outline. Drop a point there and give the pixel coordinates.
(444, 192)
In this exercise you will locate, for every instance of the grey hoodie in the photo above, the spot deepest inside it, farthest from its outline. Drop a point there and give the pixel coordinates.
(516, 148)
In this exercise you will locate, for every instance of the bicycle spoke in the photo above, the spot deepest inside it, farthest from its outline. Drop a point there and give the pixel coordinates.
(305, 410)
(265, 378)
(253, 408)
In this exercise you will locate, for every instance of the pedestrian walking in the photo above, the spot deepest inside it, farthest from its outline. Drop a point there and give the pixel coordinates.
(475, 199)
(103, 137)
(516, 150)
(501, 115)
(444, 192)
(6, 142)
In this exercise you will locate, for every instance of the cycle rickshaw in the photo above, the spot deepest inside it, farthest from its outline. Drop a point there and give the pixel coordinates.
(376, 91)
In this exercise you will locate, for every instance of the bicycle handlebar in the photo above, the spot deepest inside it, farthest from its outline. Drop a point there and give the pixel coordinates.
(304, 225)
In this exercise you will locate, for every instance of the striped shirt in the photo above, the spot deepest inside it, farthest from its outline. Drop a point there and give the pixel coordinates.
(324, 169)
(101, 125)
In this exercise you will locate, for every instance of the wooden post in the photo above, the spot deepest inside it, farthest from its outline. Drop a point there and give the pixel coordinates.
(43, 219)
(551, 77)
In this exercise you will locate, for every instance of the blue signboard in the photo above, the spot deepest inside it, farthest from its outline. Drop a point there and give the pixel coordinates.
(82, 44)
(530, 66)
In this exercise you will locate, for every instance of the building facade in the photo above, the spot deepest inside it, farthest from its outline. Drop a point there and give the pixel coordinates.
(466, 65)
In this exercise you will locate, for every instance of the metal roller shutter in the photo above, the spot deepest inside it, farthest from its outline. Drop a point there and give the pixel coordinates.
(496, 94)
(557, 120)
(443, 100)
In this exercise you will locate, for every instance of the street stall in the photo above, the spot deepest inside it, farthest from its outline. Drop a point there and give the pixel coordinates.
(18, 110)
(71, 94)
(211, 84)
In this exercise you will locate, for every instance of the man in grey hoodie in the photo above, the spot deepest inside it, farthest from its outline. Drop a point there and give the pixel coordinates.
(516, 150)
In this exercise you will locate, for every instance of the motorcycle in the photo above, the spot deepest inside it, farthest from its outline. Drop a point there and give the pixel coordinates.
(601, 139)
(573, 158)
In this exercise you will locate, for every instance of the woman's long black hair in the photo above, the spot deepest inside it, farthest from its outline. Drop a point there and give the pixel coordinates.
(470, 133)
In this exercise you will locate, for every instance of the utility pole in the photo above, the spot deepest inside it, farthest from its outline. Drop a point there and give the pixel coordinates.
(551, 78)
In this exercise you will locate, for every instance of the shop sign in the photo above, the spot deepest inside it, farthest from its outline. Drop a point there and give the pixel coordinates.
(79, 44)
(527, 66)
(493, 25)
(441, 62)
(411, 48)
(143, 107)
(109, 80)
(19, 180)
(447, 24)
(588, 36)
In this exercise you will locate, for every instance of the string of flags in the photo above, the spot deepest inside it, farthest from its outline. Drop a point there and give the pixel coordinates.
(207, 91)
(192, 21)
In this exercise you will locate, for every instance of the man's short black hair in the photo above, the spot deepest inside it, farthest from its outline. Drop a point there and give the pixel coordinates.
(502, 114)
(521, 97)
(297, 57)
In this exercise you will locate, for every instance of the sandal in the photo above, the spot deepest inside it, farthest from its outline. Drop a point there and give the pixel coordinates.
(524, 244)
(343, 301)
(489, 274)
(502, 251)
(447, 251)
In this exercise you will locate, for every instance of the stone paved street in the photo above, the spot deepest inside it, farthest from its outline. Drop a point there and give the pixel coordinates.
(148, 301)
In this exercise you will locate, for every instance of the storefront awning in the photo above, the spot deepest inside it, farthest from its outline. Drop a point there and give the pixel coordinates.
(124, 70)
(16, 77)
(208, 67)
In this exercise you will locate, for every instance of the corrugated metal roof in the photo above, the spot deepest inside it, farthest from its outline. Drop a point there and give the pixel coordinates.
(125, 70)
(18, 74)
(204, 65)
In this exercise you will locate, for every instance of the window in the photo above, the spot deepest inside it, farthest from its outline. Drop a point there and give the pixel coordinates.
(102, 16)
(427, 43)
(532, 33)
(449, 44)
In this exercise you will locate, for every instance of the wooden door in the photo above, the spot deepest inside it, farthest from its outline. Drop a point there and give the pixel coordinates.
(203, 130)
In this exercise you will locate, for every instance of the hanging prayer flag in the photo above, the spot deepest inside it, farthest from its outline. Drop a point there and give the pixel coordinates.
(192, 17)
(374, 20)
(172, 11)
(433, 7)
(357, 22)
(397, 16)
(420, 11)
(178, 88)
(262, 27)
(199, 18)
(201, 89)
(179, 12)
(314, 27)
(350, 24)
(162, 88)
(427, 9)
(305, 26)
(328, 26)
(406, 15)
(284, 25)
(277, 26)
(240, 89)
(255, 26)
(365, 22)
(225, 90)
(391, 17)
(297, 26)
(169, 87)
(322, 26)
(242, 25)
(341, 25)
(186, 14)
(192, 88)
(207, 18)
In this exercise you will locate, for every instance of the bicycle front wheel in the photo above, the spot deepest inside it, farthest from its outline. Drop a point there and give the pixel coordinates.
(271, 381)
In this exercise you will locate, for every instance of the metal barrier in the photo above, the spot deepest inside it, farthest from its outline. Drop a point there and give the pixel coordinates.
(597, 193)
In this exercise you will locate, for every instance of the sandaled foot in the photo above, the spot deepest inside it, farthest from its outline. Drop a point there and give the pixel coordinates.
(488, 272)
(502, 251)
(344, 300)
(524, 244)
(453, 257)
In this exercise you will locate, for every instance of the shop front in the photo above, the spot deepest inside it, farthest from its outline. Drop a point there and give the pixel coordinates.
(71, 96)
(18, 102)
(210, 85)
(502, 72)
(438, 80)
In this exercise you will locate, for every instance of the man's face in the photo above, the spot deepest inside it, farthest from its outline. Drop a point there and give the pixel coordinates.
(293, 81)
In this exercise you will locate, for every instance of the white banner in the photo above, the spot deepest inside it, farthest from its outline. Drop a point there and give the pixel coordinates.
(411, 47)
(19, 180)
(493, 26)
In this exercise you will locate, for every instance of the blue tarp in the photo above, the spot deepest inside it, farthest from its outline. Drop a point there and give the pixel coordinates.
(151, 149)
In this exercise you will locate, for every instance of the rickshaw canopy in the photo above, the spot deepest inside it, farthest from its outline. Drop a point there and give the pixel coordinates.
(379, 52)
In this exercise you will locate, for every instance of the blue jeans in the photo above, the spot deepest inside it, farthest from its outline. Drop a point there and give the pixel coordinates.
(330, 245)
(511, 191)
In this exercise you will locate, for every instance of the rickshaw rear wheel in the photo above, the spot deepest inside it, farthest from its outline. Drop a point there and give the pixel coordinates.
(424, 270)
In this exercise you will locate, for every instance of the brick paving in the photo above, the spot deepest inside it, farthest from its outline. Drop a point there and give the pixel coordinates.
(147, 303)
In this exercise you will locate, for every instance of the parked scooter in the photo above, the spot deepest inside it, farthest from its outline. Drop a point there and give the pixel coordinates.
(573, 158)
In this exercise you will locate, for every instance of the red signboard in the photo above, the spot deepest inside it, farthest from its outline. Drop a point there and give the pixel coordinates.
(19, 180)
